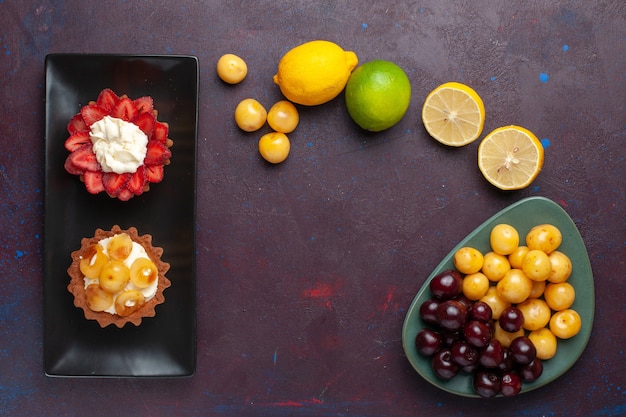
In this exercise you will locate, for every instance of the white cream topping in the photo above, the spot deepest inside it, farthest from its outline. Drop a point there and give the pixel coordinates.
(119, 146)
(138, 251)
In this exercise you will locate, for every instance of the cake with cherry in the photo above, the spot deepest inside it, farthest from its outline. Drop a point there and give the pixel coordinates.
(118, 277)
(117, 145)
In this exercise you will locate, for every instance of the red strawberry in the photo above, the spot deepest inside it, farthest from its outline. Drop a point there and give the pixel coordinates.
(154, 173)
(114, 182)
(77, 140)
(83, 159)
(145, 122)
(161, 130)
(76, 124)
(107, 99)
(92, 113)
(144, 104)
(137, 181)
(93, 181)
(125, 109)
(156, 153)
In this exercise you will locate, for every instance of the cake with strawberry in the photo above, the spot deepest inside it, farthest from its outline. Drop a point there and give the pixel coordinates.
(118, 277)
(117, 145)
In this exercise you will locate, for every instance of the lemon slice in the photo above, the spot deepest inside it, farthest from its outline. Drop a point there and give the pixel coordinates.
(510, 157)
(453, 114)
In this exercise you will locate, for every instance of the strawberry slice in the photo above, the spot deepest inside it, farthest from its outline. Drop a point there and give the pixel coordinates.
(69, 166)
(154, 173)
(125, 109)
(107, 99)
(114, 182)
(92, 113)
(83, 159)
(77, 140)
(144, 104)
(125, 194)
(145, 122)
(156, 153)
(137, 181)
(76, 124)
(161, 130)
(93, 181)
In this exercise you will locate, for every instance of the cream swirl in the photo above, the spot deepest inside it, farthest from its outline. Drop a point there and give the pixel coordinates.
(119, 146)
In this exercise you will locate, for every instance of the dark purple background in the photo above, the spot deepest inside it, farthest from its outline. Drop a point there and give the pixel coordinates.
(305, 270)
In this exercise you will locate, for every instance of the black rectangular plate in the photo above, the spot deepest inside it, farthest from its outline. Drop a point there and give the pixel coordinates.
(164, 345)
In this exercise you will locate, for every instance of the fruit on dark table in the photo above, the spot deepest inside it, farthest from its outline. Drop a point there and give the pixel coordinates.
(428, 311)
(480, 311)
(451, 315)
(486, 384)
(464, 354)
(494, 335)
(446, 285)
(477, 333)
(510, 384)
(522, 350)
(491, 355)
(532, 371)
(511, 319)
(428, 342)
(443, 365)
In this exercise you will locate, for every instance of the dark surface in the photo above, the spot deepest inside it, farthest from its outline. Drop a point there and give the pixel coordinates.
(80, 347)
(305, 270)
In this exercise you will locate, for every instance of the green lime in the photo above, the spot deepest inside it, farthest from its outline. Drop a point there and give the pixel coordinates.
(378, 94)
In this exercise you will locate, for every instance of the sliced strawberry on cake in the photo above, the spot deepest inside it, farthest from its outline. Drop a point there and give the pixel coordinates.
(117, 145)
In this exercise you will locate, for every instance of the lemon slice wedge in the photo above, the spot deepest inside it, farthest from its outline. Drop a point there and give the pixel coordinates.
(510, 157)
(453, 114)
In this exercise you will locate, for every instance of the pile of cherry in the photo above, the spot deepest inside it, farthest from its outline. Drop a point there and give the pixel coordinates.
(459, 339)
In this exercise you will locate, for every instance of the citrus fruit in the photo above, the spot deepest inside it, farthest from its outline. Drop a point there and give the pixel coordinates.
(453, 114)
(231, 68)
(510, 157)
(314, 72)
(378, 94)
(250, 115)
(274, 147)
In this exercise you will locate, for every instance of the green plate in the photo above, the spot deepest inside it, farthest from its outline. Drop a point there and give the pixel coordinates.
(523, 215)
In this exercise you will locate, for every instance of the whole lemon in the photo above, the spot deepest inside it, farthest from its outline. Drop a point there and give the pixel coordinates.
(314, 72)
(378, 94)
